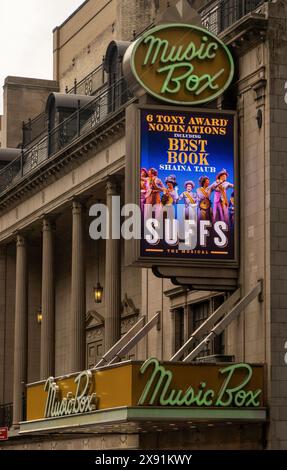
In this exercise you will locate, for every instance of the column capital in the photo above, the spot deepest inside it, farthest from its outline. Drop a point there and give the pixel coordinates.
(113, 186)
(77, 206)
(20, 239)
(49, 224)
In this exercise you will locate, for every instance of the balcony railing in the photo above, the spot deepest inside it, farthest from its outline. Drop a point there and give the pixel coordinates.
(33, 128)
(91, 85)
(81, 122)
(218, 15)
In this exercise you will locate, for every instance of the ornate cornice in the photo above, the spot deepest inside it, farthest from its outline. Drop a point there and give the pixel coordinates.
(245, 33)
(128, 307)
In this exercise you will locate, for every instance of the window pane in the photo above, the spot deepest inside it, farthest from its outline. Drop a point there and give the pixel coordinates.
(178, 328)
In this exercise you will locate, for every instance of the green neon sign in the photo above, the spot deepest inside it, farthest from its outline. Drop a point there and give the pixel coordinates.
(159, 390)
(182, 64)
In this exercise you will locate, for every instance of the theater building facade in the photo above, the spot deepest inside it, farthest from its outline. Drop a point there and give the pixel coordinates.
(98, 351)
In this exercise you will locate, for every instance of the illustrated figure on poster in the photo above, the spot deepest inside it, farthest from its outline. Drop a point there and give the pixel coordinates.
(231, 210)
(144, 187)
(153, 195)
(220, 208)
(203, 199)
(170, 193)
(155, 187)
(189, 197)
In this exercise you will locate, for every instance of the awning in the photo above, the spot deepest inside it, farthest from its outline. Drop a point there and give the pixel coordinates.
(115, 47)
(9, 154)
(66, 100)
(138, 419)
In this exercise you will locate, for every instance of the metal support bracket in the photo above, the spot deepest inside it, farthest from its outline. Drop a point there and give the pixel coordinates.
(226, 320)
(129, 340)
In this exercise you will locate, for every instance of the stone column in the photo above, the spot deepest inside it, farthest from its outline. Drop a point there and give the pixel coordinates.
(3, 274)
(20, 337)
(48, 303)
(113, 276)
(77, 339)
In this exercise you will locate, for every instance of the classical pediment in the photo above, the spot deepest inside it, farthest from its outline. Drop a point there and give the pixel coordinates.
(94, 319)
(128, 307)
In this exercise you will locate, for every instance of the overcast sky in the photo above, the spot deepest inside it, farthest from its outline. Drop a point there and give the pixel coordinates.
(26, 36)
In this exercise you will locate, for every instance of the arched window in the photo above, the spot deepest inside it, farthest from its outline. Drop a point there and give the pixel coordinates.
(118, 92)
(64, 123)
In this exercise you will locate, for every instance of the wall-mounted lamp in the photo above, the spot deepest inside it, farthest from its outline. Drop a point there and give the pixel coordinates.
(98, 293)
(39, 316)
(98, 290)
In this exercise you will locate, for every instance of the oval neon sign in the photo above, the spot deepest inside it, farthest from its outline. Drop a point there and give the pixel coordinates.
(182, 64)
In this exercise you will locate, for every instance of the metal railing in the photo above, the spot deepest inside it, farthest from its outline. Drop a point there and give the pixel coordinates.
(33, 128)
(93, 82)
(6, 415)
(218, 15)
(82, 121)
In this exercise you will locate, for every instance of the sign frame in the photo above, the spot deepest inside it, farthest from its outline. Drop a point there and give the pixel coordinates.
(147, 384)
(133, 161)
(132, 76)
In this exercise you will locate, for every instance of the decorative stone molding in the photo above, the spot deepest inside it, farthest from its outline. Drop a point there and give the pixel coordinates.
(113, 186)
(259, 89)
(128, 307)
(127, 323)
(21, 240)
(94, 319)
(175, 291)
(95, 334)
(245, 33)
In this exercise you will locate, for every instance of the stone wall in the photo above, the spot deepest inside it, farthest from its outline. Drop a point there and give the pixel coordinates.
(24, 98)
(81, 41)
(277, 147)
(246, 337)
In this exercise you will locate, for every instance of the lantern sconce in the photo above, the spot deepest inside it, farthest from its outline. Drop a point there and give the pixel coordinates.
(98, 293)
(98, 289)
(39, 316)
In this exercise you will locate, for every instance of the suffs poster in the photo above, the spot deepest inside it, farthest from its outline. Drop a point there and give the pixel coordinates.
(187, 184)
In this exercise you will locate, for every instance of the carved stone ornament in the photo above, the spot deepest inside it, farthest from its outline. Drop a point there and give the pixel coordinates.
(128, 307)
(94, 319)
